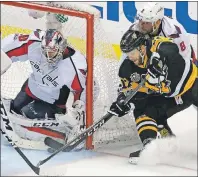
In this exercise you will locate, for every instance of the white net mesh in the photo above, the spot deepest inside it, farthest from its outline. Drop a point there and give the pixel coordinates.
(17, 20)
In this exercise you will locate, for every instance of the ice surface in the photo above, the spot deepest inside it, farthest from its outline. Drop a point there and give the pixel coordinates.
(177, 157)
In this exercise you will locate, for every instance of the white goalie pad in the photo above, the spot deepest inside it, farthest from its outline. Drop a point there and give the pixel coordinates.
(5, 62)
(9, 130)
(26, 129)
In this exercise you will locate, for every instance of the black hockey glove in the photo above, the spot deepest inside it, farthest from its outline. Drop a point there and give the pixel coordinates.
(118, 108)
(156, 66)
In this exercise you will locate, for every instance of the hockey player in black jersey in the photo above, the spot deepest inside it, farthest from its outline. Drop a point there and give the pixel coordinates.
(170, 87)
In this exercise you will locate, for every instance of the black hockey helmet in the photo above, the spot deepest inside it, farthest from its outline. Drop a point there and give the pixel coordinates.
(131, 40)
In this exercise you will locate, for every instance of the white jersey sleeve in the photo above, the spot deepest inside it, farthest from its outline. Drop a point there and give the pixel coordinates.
(172, 28)
(16, 45)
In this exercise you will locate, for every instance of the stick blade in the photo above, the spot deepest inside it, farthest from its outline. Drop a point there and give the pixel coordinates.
(36, 170)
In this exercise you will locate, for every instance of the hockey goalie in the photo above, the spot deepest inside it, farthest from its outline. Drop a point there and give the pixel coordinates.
(39, 110)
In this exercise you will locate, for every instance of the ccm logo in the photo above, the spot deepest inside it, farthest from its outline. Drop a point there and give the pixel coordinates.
(46, 124)
(5, 117)
(100, 124)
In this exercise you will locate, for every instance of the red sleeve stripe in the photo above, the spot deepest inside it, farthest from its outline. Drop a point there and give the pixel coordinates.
(22, 50)
(76, 84)
(77, 96)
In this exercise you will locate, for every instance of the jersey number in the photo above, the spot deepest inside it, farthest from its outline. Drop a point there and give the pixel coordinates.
(23, 37)
(182, 44)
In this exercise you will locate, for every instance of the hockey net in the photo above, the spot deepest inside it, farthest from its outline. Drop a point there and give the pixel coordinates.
(83, 19)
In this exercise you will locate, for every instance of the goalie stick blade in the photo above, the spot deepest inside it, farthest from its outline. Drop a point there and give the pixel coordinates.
(54, 145)
(36, 170)
(8, 132)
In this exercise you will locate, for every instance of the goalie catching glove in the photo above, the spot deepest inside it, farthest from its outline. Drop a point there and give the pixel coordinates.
(74, 115)
(118, 108)
(75, 125)
(78, 110)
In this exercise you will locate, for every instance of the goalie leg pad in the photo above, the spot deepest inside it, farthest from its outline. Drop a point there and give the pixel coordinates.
(39, 110)
(5, 62)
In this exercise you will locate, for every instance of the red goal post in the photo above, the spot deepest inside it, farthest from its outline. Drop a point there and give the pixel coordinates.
(89, 50)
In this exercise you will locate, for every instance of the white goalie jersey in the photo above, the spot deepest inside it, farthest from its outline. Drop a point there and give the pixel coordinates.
(45, 82)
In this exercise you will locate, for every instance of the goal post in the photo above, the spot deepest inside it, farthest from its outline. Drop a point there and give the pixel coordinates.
(85, 33)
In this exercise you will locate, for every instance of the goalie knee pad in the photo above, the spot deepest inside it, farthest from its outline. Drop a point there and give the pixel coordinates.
(39, 110)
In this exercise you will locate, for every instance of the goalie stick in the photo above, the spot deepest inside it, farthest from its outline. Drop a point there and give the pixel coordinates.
(90, 131)
(7, 134)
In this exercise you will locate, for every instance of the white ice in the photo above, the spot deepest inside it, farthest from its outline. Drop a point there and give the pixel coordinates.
(176, 157)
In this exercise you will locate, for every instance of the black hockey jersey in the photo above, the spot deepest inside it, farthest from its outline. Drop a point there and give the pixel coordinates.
(181, 73)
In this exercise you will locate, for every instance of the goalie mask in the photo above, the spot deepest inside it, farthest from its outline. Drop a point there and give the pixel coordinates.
(53, 46)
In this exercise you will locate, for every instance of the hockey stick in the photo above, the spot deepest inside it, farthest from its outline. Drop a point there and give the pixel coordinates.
(94, 127)
(9, 130)
(34, 168)
(79, 138)
(54, 145)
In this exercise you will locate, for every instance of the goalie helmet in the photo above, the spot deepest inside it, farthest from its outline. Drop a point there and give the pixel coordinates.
(53, 45)
(132, 40)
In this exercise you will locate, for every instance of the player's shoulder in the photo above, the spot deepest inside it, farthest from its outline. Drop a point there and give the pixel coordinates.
(171, 27)
(36, 35)
(74, 57)
(134, 26)
(168, 48)
(72, 53)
